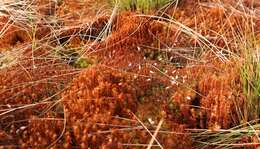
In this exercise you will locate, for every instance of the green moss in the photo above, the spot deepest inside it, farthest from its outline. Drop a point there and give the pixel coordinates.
(157, 55)
(83, 63)
(60, 2)
(142, 99)
(174, 108)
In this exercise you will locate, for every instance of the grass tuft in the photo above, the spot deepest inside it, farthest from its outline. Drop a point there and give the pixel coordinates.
(250, 78)
(144, 6)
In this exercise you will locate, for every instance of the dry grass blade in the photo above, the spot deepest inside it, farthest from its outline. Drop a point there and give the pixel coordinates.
(153, 137)
(155, 134)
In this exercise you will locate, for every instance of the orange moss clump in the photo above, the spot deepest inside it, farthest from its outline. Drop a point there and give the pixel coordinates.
(6, 140)
(31, 81)
(135, 39)
(100, 106)
(220, 97)
(96, 96)
(120, 48)
(12, 34)
(217, 21)
(45, 132)
(186, 97)
(210, 99)
(68, 10)
(99, 90)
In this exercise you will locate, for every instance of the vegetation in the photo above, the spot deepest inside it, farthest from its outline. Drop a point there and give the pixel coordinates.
(250, 76)
(144, 6)
(129, 74)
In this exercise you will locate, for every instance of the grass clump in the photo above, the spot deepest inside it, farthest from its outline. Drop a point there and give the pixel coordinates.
(144, 6)
(250, 78)
(236, 137)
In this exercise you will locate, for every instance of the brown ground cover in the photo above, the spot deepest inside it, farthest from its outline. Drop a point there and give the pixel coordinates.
(75, 77)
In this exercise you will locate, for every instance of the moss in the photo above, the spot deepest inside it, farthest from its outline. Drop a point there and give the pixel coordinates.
(157, 55)
(174, 108)
(83, 63)
(141, 99)
(60, 2)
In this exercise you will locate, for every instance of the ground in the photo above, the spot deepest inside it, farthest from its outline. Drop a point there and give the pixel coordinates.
(92, 74)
